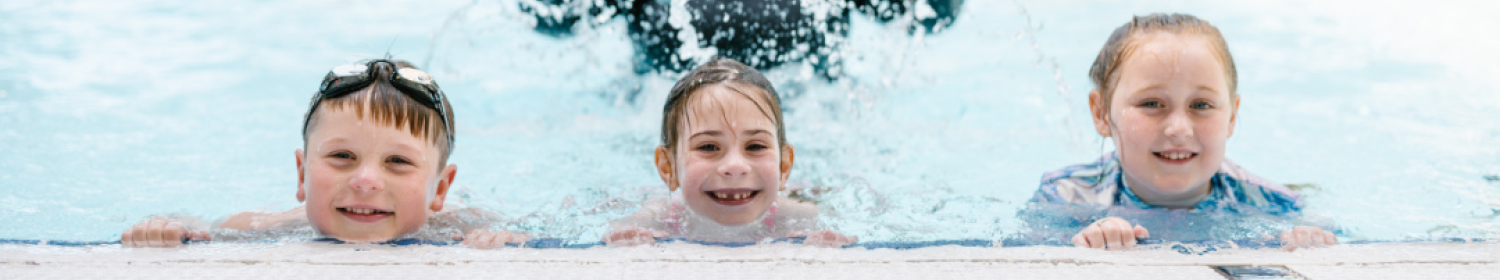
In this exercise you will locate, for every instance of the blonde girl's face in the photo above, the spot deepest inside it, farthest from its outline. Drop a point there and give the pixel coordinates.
(1170, 116)
(727, 165)
(364, 181)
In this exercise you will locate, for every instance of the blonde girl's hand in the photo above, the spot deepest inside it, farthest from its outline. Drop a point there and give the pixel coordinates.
(1112, 233)
(825, 238)
(160, 232)
(632, 236)
(484, 239)
(1307, 237)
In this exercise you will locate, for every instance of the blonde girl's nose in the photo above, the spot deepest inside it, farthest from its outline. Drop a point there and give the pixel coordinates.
(1179, 125)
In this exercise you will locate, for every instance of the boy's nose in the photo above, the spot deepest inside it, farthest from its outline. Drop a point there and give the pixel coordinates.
(366, 179)
(734, 165)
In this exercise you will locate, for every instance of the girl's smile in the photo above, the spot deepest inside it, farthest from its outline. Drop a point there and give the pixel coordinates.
(729, 167)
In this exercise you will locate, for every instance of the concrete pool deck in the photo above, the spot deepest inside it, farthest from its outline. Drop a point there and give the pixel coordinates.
(678, 260)
(695, 261)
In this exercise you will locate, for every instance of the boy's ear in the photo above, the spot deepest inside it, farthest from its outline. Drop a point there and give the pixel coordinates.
(442, 187)
(301, 176)
(1099, 110)
(664, 167)
(786, 164)
(1234, 113)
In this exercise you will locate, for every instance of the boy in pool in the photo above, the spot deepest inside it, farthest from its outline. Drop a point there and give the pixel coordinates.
(724, 145)
(373, 167)
(1165, 92)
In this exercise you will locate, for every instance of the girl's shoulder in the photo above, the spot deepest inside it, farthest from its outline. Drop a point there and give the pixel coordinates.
(1088, 183)
(1257, 191)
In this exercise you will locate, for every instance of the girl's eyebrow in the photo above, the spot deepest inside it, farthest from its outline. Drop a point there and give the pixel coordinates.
(706, 133)
(752, 132)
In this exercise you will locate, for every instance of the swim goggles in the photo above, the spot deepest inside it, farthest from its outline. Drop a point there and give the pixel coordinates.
(349, 78)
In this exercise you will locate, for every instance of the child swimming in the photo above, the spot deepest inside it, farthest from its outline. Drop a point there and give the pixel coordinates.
(724, 145)
(373, 167)
(1165, 92)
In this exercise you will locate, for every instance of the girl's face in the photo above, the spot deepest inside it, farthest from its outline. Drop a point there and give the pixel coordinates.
(1170, 116)
(364, 181)
(728, 165)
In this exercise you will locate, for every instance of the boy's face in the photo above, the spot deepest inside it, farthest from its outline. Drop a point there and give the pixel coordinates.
(364, 181)
(1170, 117)
(728, 164)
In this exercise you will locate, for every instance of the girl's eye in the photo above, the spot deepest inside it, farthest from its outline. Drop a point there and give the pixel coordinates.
(1202, 105)
(756, 147)
(707, 148)
(1151, 104)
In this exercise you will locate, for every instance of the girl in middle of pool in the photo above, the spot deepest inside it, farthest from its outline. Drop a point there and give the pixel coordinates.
(724, 146)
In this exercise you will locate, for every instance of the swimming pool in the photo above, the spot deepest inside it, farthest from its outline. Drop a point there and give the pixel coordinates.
(114, 111)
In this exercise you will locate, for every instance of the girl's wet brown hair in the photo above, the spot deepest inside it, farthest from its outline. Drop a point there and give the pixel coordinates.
(1124, 41)
(731, 74)
(390, 107)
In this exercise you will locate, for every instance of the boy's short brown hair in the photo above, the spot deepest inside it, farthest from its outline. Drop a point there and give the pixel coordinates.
(390, 106)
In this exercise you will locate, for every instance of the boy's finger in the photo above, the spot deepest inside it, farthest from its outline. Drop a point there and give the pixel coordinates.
(153, 233)
(1330, 238)
(1079, 241)
(172, 234)
(1141, 232)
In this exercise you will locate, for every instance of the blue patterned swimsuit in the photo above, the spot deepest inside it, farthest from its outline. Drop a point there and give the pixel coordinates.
(1102, 184)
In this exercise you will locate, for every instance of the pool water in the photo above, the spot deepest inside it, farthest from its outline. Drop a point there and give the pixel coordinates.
(115, 111)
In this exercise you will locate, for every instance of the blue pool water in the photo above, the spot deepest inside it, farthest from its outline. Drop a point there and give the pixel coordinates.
(115, 111)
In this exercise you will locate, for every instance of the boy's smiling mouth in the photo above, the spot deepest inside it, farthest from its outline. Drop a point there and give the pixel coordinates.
(364, 214)
(1175, 156)
(732, 197)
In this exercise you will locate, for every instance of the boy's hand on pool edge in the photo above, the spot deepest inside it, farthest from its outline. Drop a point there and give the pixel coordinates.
(825, 238)
(632, 236)
(160, 232)
(1307, 237)
(1112, 233)
(484, 239)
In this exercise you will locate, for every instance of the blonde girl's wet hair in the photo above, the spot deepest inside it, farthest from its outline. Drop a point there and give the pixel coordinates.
(1127, 38)
(731, 74)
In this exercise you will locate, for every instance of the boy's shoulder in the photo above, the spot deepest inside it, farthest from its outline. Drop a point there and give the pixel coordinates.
(1088, 183)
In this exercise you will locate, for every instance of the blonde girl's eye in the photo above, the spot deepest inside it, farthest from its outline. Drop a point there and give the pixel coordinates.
(1151, 104)
(1202, 105)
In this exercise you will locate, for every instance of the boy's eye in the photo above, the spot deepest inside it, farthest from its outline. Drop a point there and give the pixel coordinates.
(342, 155)
(707, 148)
(399, 160)
(1202, 105)
(1151, 104)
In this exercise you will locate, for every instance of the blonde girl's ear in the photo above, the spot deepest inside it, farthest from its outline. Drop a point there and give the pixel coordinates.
(1234, 112)
(664, 167)
(1100, 112)
(301, 177)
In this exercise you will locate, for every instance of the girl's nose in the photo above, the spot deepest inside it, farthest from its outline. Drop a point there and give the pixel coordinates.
(366, 179)
(1179, 126)
(734, 165)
